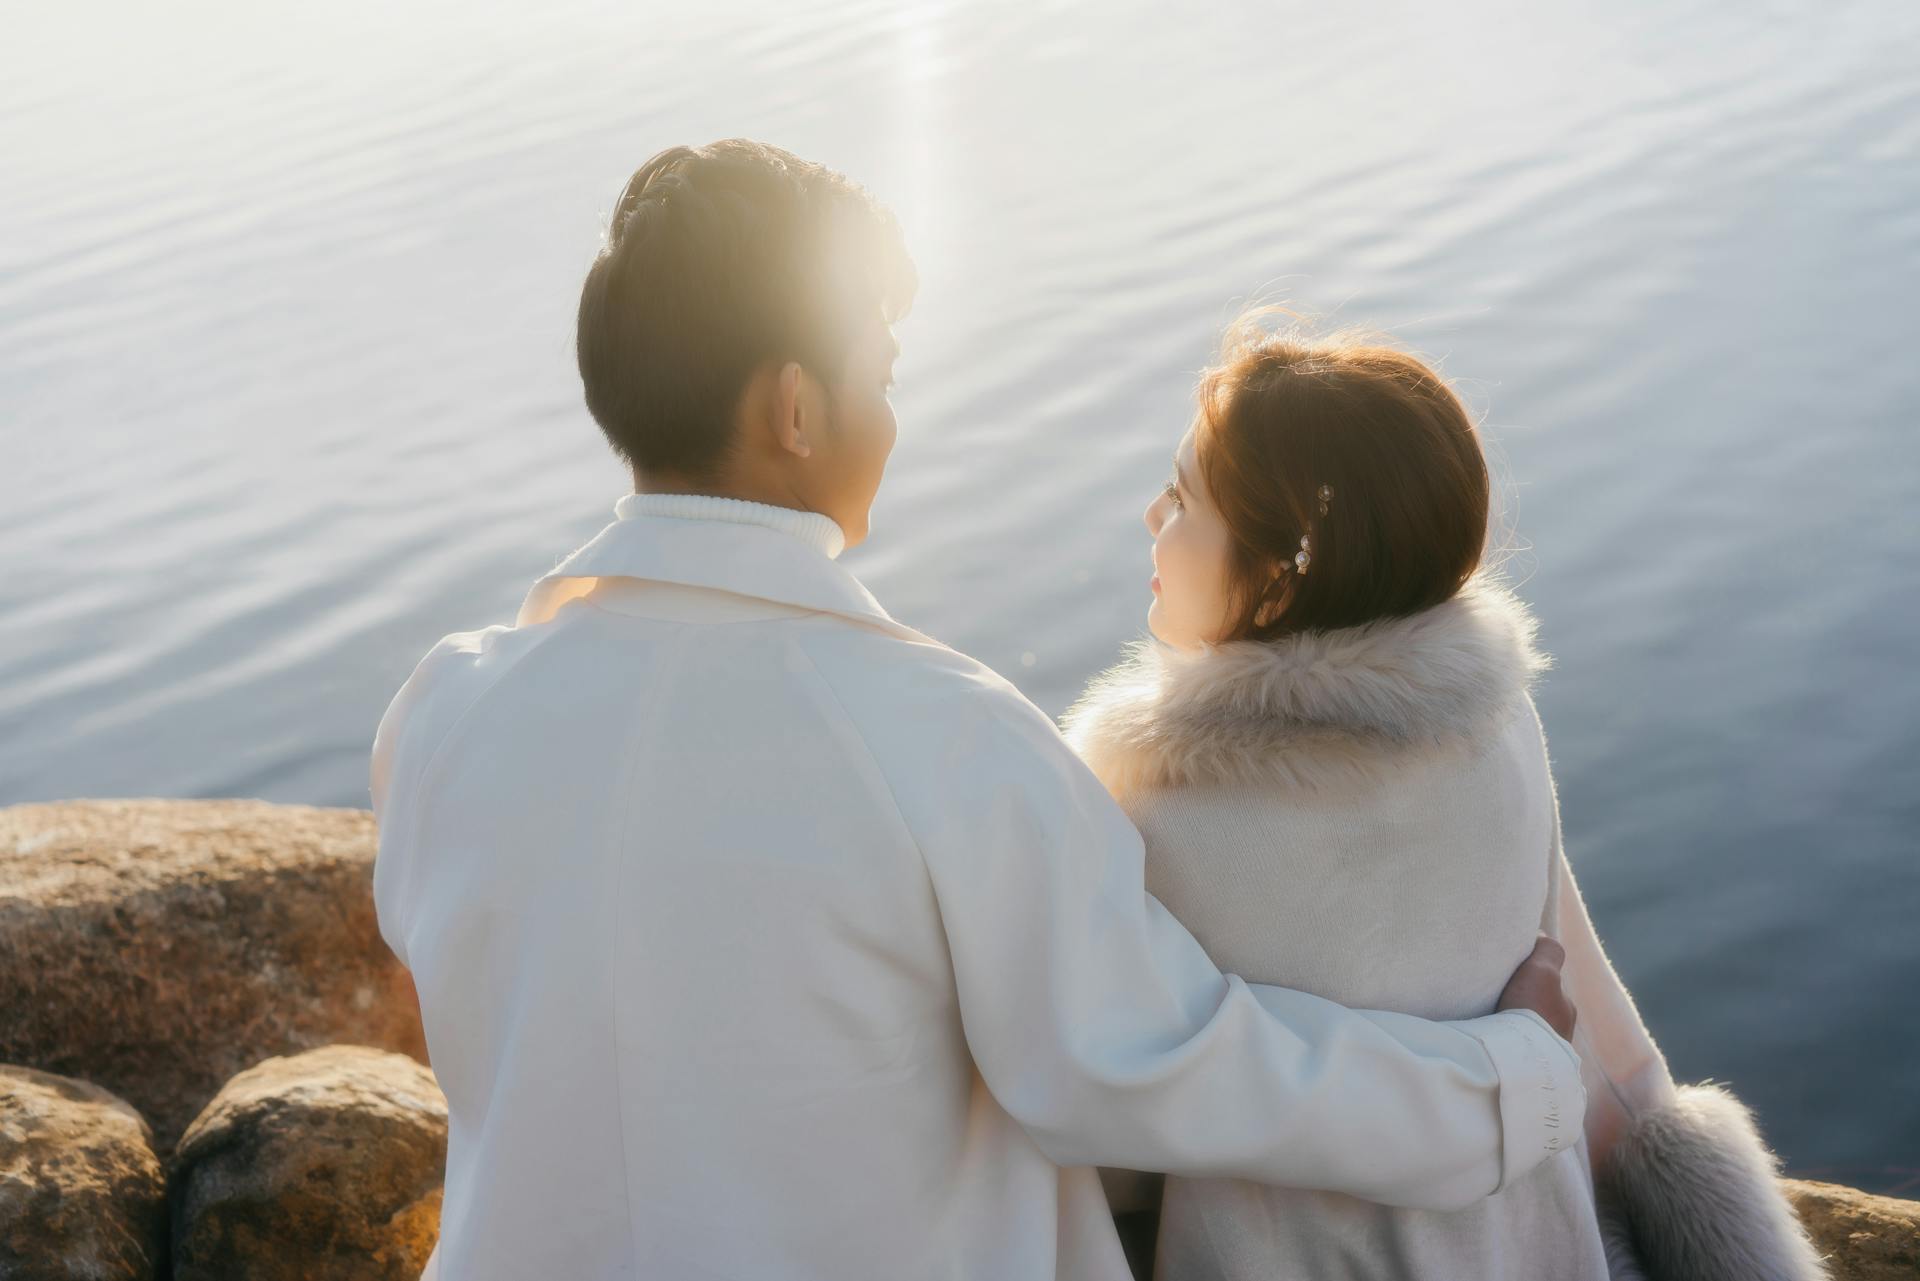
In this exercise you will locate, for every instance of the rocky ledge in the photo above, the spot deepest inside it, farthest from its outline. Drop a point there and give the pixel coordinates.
(157, 947)
(1864, 1237)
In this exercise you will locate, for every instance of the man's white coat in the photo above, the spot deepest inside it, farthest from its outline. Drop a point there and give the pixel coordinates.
(760, 936)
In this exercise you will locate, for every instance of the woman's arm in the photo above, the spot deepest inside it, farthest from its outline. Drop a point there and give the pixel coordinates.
(1624, 1070)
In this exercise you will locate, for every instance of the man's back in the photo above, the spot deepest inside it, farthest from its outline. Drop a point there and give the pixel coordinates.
(667, 928)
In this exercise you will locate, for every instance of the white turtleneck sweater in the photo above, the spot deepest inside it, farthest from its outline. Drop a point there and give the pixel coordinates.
(815, 529)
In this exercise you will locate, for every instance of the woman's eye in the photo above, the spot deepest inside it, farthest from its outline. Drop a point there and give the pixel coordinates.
(1173, 491)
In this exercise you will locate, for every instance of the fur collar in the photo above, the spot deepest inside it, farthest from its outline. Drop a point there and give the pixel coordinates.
(1316, 710)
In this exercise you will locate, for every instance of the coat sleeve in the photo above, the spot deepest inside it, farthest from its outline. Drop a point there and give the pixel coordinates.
(1100, 1024)
(389, 852)
(400, 744)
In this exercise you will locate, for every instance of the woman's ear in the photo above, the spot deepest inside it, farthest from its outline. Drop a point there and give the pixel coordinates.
(1271, 608)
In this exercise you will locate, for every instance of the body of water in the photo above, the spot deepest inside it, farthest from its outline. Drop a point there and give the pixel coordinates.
(287, 393)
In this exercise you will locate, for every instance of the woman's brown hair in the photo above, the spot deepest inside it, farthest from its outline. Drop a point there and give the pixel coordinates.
(1282, 413)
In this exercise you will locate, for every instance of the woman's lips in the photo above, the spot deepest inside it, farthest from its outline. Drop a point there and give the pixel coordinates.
(1156, 584)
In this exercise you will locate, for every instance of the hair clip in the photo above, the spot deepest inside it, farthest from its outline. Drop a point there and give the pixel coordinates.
(1304, 557)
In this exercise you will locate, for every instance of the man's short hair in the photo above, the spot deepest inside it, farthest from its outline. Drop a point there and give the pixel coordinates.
(718, 260)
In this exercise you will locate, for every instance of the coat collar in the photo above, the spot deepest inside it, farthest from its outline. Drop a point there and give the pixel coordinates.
(1315, 710)
(733, 550)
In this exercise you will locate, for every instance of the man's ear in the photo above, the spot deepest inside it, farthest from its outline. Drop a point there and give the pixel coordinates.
(790, 419)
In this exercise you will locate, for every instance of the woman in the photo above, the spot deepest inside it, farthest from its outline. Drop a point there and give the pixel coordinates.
(1331, 748)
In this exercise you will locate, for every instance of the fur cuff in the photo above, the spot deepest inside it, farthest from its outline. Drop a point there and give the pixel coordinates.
(1694, 1191)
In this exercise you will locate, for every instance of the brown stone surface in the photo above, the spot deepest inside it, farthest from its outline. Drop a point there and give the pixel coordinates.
(1865, 1237)
(157, 947)
(320, 1166)
(81, 1193)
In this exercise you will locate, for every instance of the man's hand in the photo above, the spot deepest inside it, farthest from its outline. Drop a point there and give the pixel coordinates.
(1536, 986)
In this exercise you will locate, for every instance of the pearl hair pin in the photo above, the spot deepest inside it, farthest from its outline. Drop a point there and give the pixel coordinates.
(1304, 556)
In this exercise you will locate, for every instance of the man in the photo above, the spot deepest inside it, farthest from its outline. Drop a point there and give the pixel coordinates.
(758, 935)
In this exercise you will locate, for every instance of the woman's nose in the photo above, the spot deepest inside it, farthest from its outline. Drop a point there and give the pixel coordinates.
(1151, 517)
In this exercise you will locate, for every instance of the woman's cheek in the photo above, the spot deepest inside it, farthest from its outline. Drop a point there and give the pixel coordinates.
(1206, 597)
(1183, 593)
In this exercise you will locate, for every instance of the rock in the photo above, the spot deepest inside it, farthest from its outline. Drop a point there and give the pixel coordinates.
(82, 1196)
(156, 947)
(1865, 1237)
(320, 1166)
